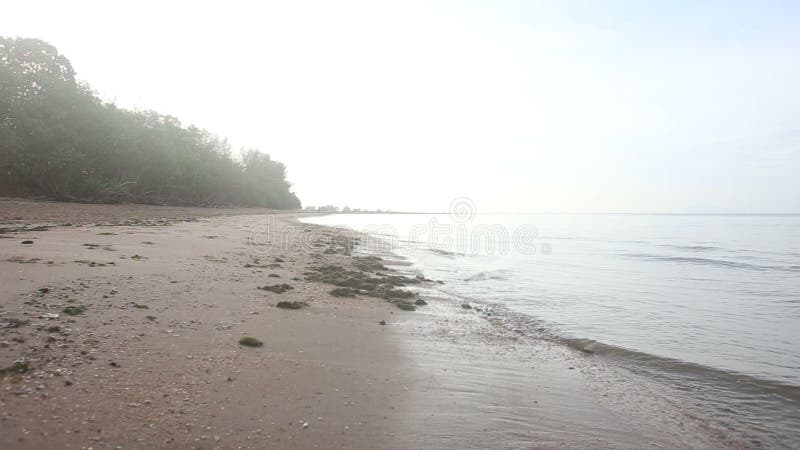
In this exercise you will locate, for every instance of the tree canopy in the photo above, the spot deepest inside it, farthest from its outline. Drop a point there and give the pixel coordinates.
(59, 139)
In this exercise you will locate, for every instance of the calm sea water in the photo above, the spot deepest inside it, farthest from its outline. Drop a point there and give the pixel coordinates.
(704, 300)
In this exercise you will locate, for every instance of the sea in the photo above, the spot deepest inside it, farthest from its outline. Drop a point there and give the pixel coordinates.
(706, 304)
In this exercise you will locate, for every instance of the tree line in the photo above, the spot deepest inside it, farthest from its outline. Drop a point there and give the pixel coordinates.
(60, 140)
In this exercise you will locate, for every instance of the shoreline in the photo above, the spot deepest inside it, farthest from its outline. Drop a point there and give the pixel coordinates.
(657, 381)
(153, 359)
(580, 391)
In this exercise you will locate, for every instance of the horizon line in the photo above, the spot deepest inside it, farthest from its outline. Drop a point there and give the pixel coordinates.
(576, 213)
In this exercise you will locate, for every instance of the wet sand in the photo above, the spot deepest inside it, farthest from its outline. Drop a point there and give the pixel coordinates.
(154, 361)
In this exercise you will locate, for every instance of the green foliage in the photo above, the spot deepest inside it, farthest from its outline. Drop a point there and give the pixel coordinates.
(58, 139)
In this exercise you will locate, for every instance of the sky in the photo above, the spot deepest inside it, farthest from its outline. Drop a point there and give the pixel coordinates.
(520, 106)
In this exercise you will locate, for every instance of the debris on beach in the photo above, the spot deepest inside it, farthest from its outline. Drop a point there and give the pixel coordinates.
(96, 246)
(378, 285)
(257, 263)
(369, 263)
(18, 367)
(23, 260)
(344, 292)
(249, 342)
(405, 306)
(94, 263)
(23, 229)
(291, 305)
(276, 288)
(11, 322)
(74, 310)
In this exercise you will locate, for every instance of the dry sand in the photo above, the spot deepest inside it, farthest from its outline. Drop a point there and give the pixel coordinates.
(154, 360)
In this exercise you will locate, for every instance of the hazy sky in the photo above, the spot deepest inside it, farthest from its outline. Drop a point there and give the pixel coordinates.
(520, 105)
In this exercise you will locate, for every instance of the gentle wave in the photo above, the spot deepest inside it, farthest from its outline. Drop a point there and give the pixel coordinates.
(736, 403)
(709, 262)
(662, 366)
(442, 252)
(483, 276)
(695, 248)
(529, 325)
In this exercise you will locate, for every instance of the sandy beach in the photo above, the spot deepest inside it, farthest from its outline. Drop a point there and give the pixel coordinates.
(151, 357)
(399, 225)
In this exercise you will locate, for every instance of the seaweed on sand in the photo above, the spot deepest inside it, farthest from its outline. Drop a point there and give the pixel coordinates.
(262, 265)
(17, 367)
(291, 305)
(75, 310)
(357, 282)
(250, 342)
(344, 292)
(369, 263)
(276, 288)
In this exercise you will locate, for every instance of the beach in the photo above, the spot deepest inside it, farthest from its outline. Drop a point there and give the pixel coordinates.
(120, 328)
